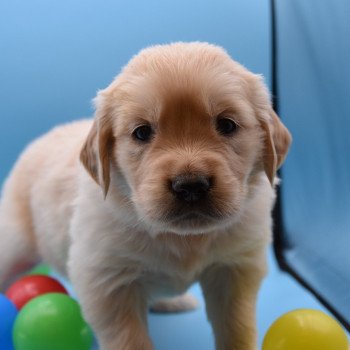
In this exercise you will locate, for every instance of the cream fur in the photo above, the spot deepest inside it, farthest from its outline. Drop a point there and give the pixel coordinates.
(123, 251)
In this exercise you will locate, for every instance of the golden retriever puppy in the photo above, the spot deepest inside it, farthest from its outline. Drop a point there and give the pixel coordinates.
(171, 183)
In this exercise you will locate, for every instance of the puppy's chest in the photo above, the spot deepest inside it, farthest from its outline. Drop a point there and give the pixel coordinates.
(177, 262)
(184, 253)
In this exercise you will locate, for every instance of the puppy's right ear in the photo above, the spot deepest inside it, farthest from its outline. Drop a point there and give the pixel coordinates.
(96, 154)
(88, 154)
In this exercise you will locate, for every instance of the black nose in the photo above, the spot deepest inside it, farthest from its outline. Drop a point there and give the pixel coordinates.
(190, 188)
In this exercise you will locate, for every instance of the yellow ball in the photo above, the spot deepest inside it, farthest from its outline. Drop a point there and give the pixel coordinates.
(305, 329)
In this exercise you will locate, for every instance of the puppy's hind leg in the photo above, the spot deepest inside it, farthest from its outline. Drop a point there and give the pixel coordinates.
(17, 245)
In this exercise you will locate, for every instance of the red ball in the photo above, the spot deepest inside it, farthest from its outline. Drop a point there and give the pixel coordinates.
(32, 286)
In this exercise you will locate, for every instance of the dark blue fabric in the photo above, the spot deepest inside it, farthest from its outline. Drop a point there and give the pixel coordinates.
(314, 98)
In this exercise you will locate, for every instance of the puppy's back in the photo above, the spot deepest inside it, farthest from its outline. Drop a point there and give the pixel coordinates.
(41, 187)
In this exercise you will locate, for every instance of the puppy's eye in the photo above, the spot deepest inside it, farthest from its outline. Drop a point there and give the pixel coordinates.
(226, 126)
(143, 133)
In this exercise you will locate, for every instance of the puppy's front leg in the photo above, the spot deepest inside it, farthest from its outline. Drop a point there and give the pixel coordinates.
(116, 311)
(230, 295)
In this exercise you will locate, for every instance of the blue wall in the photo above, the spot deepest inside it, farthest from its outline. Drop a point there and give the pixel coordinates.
(55, 55)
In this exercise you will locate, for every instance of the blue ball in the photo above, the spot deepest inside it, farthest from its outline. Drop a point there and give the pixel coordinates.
(8, 313)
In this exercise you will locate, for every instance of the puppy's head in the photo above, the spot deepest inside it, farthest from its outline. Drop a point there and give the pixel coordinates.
(187, 131)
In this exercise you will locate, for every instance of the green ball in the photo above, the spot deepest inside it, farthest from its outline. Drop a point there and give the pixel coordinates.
(41, 269)
(51, 321)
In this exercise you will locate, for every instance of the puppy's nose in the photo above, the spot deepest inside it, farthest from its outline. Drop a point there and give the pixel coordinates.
(190, 189)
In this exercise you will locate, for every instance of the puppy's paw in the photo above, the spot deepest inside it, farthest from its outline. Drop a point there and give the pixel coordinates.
(182, 303)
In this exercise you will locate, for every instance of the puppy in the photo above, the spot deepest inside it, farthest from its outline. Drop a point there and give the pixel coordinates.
(171, 183)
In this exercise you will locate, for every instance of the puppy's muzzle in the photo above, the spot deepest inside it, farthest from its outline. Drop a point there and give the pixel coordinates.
(191, 189)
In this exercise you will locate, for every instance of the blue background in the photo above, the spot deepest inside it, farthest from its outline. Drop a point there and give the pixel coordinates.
(55, 55)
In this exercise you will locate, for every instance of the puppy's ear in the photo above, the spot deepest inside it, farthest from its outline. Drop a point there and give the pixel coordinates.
(276, 141)
(88, 154)
(97, 151)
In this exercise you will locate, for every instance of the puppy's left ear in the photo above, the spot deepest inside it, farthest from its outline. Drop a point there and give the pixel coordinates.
(96, 154)
(276, 141)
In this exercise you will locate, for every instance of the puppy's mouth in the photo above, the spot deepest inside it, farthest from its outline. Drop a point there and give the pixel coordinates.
(192, 216)
(189, 219)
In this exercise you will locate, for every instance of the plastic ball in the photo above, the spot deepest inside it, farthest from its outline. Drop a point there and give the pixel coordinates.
(8, 313)
(41, 269)
(305, 329)
(32, 286)
(51, 321)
